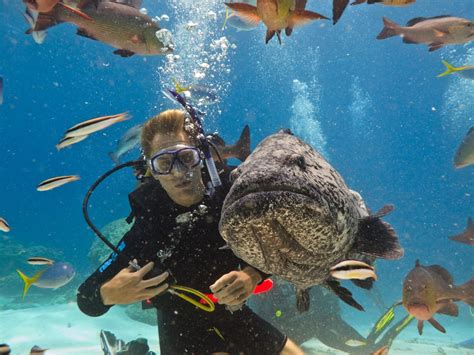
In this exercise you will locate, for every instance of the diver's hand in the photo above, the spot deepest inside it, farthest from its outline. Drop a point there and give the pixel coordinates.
(235, 287)
(128, 286)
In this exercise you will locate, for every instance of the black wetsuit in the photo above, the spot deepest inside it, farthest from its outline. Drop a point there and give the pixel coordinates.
(187, 242)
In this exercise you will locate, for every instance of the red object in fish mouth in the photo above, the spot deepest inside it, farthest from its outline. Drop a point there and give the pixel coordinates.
(263, 287)
(420, 311)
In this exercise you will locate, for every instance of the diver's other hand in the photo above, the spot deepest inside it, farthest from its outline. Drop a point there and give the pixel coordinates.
(235, 287)
(128, 286)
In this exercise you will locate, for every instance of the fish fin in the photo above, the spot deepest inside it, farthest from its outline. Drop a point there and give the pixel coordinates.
(416, 20)
(449, 70)
(338, 7)
(278, 33)
(269, 36)
(467, 236)
(358, 2)
(300, 4)
(468, 290)
(378, 238)
(124, 53)
(365, 284)
(28, 280)
(408, 40)
(243, 144)
(85, 3)
(302, 300)
(442, 272)
(76, 11)
(83, 33)
(47, 20)
(302, 17)
(288, 31)
(245, 11)
(114, 157)
(450, 309)
(420, 327)
(344, 294)
(435, 46)
(390, 29)
(437, 326)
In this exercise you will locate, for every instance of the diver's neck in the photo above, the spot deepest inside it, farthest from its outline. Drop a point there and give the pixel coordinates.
(187, 201)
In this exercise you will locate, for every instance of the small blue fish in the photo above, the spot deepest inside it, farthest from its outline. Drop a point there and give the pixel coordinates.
(467, 343)
(54, 276)
(129, 141)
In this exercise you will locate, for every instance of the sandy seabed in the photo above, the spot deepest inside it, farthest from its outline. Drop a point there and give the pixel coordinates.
(63, 329)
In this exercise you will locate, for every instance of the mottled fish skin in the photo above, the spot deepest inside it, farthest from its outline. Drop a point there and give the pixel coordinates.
(289, 213)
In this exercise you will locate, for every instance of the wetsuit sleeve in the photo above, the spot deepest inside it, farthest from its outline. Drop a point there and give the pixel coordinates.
(89, 299)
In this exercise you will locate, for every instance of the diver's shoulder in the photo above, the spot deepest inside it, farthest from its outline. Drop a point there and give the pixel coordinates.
(148, 194)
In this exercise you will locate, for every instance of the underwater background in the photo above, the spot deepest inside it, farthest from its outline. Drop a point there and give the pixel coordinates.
(374, 109)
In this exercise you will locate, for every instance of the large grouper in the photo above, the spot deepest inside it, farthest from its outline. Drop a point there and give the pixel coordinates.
(289, 213)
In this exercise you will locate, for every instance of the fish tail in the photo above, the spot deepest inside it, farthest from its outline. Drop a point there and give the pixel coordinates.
(449, 69)
(243, 144)
(179, 88)
(28, 281)
(377, 238)
(390, 29)
(114, 157)
(468, 292)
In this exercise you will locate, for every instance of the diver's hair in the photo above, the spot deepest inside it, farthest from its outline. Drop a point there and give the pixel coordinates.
(169, 122)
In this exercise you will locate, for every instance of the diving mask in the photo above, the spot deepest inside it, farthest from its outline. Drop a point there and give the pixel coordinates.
(162, 162)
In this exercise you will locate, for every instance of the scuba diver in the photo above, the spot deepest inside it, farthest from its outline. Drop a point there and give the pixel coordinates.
(175, 239)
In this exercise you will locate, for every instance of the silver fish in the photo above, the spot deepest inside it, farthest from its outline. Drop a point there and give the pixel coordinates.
(95, 124)
(4, 227)
(465, 153)
(57, 181)
(129, 141)
(435, 32)
(39, 260)
(289, 213)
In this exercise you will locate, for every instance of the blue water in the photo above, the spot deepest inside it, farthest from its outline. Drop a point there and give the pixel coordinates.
(376, 111)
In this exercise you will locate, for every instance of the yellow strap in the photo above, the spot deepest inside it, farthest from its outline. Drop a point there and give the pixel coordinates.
(210, 308)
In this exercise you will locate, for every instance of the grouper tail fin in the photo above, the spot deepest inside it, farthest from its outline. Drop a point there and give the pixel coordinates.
(377, 238)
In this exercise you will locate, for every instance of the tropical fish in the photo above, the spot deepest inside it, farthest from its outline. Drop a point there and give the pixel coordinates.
(4, 227)
(129, 140)
(57, 181)
(290, 214)
(430, 289)
(467, 236)
(435, 32)
(465, 153)
(54, 276)
(197, 94)
(385, 2)
(38, 260)
(68, 141)
(276, 15)
(95, 124)
(37, 350)
(30, 17)
(120, 25)
(466, 71)
(240, 150)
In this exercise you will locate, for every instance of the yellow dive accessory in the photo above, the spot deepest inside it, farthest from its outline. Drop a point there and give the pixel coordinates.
(174, 288)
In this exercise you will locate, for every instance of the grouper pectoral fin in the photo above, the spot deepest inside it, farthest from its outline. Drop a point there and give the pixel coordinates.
(344, 294)
(377, 238)
(302, 300)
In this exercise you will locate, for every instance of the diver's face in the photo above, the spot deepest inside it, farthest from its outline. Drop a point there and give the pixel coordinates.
(183, 185)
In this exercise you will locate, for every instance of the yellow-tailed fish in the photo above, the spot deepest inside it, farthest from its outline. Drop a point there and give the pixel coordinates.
(4, 227)
(466, 71)
(39, 260)
(29, 281)
(68, 141)
(57, 181)
(95, 124)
